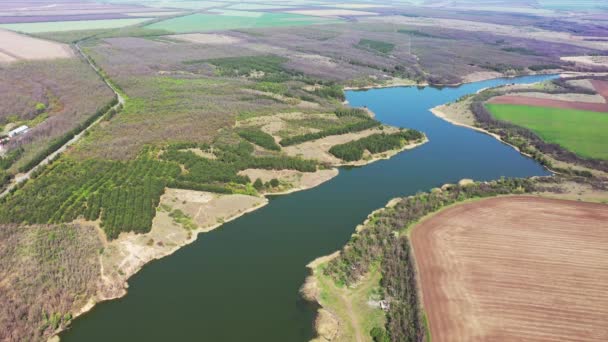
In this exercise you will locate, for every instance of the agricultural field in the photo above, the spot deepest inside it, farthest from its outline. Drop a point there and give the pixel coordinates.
(582, 132)
(235, 20)
(60, 26)
(17, 47)
(514, 268)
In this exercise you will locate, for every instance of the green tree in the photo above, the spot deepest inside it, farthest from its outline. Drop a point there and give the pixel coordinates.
(258, 185)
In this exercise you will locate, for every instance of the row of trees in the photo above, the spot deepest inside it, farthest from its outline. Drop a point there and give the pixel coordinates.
(375, 143)
(379, 241)
(349, 128)
(355, 112)
(260, 138)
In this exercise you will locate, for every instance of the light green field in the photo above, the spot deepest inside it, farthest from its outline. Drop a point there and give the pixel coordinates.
(210, 22)
(573, 5)
(63, 26)
(582, 132)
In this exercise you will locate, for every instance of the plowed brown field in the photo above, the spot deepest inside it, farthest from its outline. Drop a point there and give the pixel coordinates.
(600, 86)
(515, 269)
(538, 102)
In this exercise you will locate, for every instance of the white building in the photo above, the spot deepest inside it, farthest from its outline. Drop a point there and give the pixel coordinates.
(18, 130)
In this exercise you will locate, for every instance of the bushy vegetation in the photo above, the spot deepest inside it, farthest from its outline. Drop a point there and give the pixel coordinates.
(376, 45)
(330, 91)
(355, 112)
(354, 127)
(383, 239)
(259, 138)
(270, 67)
(521, 51)
(375, 143)
(417, 33)
(49, 272)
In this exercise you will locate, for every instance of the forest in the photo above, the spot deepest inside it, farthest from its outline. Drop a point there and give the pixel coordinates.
(260, 138)
(383, 239)
(375, 143)
(125, 194)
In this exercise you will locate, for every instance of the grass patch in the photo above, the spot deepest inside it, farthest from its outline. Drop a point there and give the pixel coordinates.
(346, 302)
(582, 132)
(377, 45)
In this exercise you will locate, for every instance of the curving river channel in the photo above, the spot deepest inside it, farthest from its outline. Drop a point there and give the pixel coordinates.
(240, 282)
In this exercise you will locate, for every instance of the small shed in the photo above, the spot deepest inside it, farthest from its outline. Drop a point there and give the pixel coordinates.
(19, 130)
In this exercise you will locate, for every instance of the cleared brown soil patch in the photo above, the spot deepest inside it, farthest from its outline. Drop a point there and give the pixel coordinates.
(538, 102)
(17, 46)
(515, 269)
(601, 87)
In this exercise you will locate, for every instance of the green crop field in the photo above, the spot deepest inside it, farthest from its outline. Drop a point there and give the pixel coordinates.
(582, 132)
(61, 26)
(209, 22)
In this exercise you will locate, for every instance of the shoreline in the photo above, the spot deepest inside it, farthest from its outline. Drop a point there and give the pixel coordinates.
(450, 85)
(310, 288)
(125, 285)
(121, 289)
(440, 114)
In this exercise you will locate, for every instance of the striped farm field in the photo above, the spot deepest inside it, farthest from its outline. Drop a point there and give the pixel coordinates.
(61, 26)
(516, 268)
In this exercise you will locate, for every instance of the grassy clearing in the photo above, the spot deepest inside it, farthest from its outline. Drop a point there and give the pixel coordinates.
(352, 304)
(61, 26)
(582, 132)
(209, 22)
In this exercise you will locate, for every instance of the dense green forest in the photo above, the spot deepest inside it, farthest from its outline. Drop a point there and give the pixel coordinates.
(260, 138)
(375, 143)
(125, 194)
(383, 239)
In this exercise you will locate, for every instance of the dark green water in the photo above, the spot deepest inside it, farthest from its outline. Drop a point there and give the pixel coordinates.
(240, 282)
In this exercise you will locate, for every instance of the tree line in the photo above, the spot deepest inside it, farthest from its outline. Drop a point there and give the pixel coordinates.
(349, 128)
(260, 138)
(375, 143)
